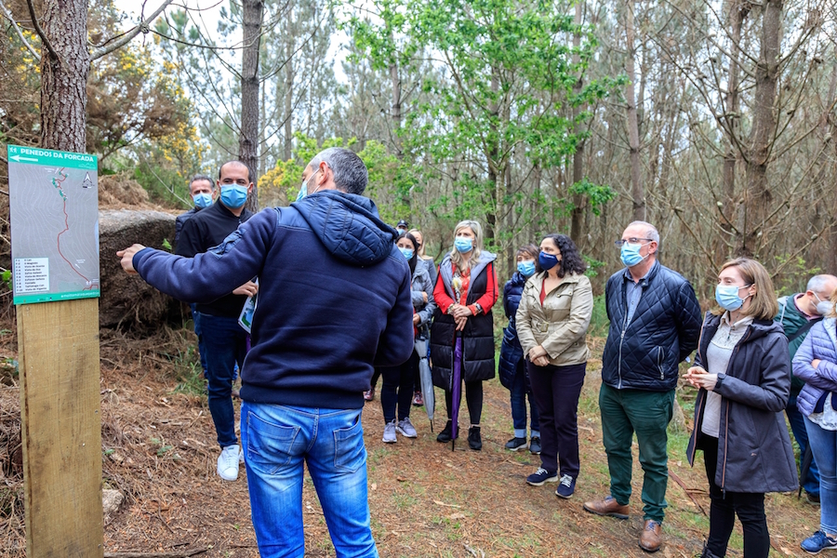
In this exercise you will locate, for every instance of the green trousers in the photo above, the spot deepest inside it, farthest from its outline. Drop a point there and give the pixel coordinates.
(646, 413)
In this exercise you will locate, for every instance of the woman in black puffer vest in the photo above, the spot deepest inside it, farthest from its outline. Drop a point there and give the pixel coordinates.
(466, 289)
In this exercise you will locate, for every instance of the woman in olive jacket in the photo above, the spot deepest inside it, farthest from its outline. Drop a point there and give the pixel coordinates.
(552, 322)
(742, 369)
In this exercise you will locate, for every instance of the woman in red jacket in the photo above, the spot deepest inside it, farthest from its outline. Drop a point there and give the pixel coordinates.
(466, 289)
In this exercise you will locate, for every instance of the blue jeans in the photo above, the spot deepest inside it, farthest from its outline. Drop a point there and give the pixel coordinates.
(201, 350)
(277, 439)
(797, 424)
(224, 346)
(824, 445)
(520, 390)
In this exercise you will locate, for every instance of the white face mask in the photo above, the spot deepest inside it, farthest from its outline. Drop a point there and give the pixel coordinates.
(824, 307)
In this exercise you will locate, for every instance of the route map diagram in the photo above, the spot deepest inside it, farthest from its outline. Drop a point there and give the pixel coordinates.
(55, 224)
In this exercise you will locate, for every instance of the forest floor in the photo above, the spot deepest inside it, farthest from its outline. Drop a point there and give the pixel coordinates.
(159, 450)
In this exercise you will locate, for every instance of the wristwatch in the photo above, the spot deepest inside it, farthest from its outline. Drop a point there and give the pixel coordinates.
(479, 308)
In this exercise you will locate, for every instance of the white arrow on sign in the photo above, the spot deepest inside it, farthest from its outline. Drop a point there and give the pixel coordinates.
(18, 158)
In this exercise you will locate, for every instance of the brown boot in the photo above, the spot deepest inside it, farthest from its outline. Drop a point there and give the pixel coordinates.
(652, 536)
(609, 506)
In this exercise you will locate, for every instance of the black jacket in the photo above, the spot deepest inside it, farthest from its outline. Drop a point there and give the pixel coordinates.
(180, 220)
(754, 450)
(511, 353)
(477, 337)
(663, 332)
(202, 231)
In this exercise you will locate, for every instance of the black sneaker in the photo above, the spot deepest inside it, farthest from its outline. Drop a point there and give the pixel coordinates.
(535, 445)
(446, 435)
(474, 438)
(541, 476)
(516, 444)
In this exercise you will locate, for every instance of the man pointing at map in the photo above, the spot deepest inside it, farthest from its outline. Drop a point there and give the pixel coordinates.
(322, 262)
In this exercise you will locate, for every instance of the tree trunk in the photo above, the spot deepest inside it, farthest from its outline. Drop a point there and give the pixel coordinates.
(395, 78)
(578, 157)
(248, 145)
(830, 125)
(737, 12)
(495, 178)
(637, 191)
(64, 81)
(758, 197)
(289, 86)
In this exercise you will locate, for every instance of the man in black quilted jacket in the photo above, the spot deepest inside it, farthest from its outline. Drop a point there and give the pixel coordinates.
(654, 325)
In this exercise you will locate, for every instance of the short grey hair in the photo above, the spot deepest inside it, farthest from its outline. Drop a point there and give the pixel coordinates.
(651, 231)
(350, 174)
(200, 177)
(820, 284)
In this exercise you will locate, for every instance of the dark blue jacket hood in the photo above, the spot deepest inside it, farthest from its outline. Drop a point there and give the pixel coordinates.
(348, 226)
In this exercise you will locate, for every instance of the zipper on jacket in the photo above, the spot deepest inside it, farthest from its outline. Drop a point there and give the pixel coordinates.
(621, 342)
(660, 362)
(726, 422)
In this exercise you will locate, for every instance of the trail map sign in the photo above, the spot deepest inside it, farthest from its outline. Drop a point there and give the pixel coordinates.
(54, 205)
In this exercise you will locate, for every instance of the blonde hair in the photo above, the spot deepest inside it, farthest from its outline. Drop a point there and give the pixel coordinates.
(421, 248)
(833, 312)
(763, 305)
(455, 256)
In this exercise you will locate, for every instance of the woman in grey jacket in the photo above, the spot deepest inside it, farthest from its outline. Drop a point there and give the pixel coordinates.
(397, 391)
(743, 374)
(816, 364)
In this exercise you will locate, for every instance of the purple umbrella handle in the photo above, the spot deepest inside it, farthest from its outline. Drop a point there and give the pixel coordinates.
(456, 388)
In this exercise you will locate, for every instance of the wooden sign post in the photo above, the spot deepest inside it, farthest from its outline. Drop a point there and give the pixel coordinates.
(54, 219)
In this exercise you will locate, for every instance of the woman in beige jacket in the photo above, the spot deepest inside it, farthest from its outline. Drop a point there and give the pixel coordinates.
(552, 322)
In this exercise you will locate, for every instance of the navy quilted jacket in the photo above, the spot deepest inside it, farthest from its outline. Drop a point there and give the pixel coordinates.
(821, 343)
(663, 332)
(510, 351)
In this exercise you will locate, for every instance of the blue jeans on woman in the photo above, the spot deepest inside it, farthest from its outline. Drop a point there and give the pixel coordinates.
(824, 445)
(519, 392)
(277, 440)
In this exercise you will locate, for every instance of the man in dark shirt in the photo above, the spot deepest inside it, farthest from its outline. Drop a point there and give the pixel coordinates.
(224, 341)
(203, 192)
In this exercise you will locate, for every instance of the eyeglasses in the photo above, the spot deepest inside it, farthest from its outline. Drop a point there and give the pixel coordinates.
(631, 240)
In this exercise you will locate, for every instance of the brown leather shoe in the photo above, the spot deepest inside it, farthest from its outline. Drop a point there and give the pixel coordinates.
(609, 506)
(652, 536)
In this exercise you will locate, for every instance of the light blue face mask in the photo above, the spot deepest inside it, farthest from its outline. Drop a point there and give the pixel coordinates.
(303, 190)
(202, 200)
(408, 253)
(630, 254)
(526, 268)
(463, 244)
(233, 195)
(727, 296)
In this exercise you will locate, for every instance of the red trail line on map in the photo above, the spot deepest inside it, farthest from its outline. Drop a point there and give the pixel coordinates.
(57, 184)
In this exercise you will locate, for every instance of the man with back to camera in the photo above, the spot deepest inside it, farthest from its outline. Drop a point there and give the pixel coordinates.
(655, 323)
(797, 313)
(323, 263)
(223, 341)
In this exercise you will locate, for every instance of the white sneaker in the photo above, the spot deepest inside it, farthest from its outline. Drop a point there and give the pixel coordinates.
(228, 462)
